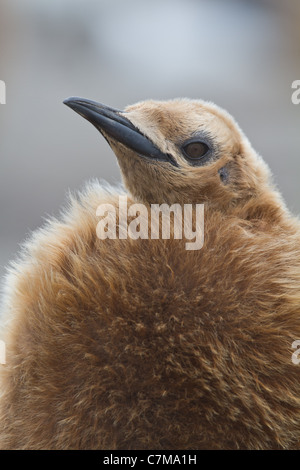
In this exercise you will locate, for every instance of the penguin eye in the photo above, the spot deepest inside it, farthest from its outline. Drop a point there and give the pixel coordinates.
(196, 150)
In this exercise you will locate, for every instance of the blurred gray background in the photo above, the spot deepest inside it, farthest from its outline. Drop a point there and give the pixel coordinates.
(243, 55)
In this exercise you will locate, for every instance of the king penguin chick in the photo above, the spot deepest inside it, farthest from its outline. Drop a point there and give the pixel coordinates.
(123, 343)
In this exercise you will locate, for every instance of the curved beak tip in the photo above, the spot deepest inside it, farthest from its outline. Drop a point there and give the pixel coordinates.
(71, 100)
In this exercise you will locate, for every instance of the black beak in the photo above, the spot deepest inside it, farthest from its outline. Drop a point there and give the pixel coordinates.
(115, 125)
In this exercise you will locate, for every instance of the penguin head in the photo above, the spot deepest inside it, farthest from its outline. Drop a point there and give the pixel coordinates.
(179, 151)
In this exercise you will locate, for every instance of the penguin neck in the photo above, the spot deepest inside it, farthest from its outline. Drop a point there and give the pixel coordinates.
(267, 207)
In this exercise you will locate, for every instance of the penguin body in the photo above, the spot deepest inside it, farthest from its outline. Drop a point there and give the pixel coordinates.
(141, 343)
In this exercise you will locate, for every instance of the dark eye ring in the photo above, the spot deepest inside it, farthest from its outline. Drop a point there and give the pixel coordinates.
(196, 150)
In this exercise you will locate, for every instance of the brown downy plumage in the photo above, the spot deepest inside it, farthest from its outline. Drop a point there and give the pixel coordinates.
(143, 344)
